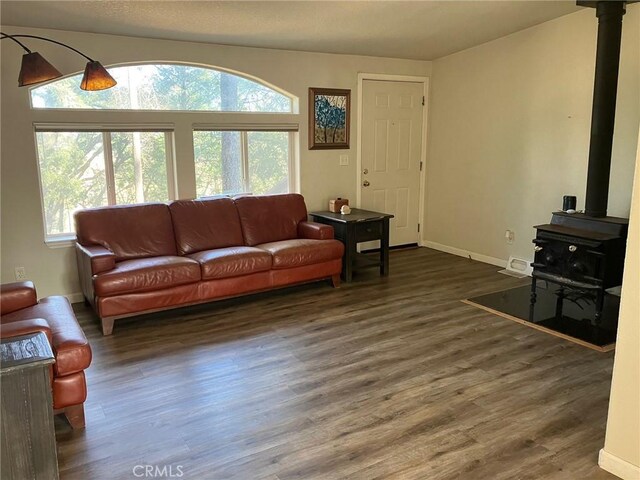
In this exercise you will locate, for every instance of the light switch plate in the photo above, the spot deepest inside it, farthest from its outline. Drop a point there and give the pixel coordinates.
(344, 160)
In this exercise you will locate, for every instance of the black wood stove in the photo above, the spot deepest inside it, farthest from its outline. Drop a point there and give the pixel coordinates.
(579, 252)
(584, 252)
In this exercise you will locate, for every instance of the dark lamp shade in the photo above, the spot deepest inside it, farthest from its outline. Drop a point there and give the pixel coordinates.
(35, 69)
(96, 77)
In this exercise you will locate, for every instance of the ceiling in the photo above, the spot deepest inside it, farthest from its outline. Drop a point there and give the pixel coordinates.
(421, 30)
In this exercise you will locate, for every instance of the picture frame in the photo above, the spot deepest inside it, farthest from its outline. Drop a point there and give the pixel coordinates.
(329, 118)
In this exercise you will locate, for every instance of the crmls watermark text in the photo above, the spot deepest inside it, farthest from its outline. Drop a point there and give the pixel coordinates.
(158, 471)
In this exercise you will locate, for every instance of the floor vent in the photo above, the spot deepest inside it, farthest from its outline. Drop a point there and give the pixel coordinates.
(517, 267)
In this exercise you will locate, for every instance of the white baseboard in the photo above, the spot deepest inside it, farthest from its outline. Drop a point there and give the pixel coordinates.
(75, 297)
(617, 466)
(465, 253)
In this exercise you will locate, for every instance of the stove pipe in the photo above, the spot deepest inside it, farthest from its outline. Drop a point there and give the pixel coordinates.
(609, 15)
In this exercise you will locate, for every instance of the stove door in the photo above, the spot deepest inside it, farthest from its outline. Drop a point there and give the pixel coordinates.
(571, 258)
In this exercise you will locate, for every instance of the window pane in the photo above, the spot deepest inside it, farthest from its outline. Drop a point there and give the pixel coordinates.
(218, 162)
(72, 174)
(139, 167)
(268, 162)
(165, 87)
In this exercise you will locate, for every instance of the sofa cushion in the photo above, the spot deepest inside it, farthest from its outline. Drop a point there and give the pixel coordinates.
(205, 224)
(300, 252)
(270, 218)
(129, 231)
(232, 262)
(145, 274)
(69, 344)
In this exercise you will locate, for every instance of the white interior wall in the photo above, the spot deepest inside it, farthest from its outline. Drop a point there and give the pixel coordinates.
(321, 176)
(509, 134)
(621, 452)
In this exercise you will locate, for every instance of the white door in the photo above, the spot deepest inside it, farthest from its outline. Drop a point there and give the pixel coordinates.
(392, 122)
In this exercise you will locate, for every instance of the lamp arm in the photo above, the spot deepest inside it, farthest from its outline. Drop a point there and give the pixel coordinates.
(13, 37)
(10, 37)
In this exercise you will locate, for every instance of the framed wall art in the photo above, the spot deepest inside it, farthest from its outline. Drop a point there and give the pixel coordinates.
(329, 115)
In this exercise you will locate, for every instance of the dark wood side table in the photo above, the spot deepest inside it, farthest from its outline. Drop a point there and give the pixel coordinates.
(359, 226)
(28, 445)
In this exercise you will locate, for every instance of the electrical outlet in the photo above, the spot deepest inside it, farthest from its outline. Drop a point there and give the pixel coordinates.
(510, 236)
(344, 160)
(21, 273)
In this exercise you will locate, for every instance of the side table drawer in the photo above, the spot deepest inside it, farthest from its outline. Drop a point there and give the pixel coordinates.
(367, 231)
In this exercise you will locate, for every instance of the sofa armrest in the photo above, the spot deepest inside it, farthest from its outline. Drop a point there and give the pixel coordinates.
(16, 296)
(25, 327)
(92, 259)
(97, 258)
(315, 231)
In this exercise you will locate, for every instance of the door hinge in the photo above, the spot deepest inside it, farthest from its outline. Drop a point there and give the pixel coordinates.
(423, 100)
(420, 166)
(418, 228)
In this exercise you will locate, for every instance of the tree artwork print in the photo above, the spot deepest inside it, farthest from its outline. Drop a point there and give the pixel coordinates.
(329, 118)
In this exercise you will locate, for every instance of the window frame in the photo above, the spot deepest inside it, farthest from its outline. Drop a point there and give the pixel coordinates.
(62, 240)
(182, 123)
(244, 130)
(293, 100)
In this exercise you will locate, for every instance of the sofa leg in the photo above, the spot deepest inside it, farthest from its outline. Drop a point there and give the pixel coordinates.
(75, 415)
(335, 280)
(107, 326)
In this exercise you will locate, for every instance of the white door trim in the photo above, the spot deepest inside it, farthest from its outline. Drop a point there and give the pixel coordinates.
(423, 149)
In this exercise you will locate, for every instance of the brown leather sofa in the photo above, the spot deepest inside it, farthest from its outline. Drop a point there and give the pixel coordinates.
(21, 314)
(135, 259)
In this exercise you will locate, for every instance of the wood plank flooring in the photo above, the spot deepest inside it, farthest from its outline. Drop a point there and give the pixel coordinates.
(383, 378)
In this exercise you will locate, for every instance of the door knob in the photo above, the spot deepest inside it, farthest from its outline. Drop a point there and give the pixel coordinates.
(366, 183)
(365, 171)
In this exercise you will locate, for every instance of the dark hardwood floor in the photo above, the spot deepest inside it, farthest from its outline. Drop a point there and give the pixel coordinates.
(382, 378)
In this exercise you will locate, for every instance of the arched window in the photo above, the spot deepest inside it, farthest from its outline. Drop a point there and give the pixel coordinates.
(103, 158)
(165, 87)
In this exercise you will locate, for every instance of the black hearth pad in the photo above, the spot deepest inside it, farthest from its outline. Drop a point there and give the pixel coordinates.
(578, 311)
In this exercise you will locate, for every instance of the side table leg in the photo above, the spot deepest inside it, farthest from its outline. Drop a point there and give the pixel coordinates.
(384, 248)
(349, 253)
